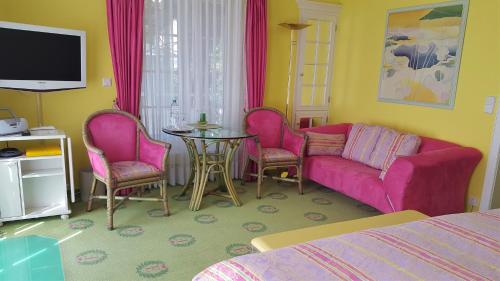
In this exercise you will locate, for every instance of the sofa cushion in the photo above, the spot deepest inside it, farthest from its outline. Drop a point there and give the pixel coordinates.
(430, 144)
(354, 179)
(325, 144)
(361, 142)
(391, 144)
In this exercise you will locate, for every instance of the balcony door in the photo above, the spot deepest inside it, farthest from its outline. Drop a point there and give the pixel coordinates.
(314, 63)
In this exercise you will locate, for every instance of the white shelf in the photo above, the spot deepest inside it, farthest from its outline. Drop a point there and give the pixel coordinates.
(40, 212)
(36, 135)
(42, 173)
(26, 158)
(46, 211)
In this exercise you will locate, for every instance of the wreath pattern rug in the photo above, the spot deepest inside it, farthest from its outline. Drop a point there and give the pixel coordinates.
(147, 245)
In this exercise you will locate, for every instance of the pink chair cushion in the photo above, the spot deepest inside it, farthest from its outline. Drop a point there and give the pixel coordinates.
(132, 170)
(116, 135)
(267, 125)
(278, 155)
(361, 142)
(325, 144)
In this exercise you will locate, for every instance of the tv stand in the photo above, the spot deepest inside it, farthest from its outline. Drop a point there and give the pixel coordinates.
(39, 110)
(34, 187)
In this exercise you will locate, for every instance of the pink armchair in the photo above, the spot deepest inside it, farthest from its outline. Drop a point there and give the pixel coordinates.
(276, 145)
(122, 155)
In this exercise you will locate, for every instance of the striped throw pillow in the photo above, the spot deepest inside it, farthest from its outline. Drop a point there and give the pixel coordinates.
(361, 142)
(384, 172)
(390, 145)
(325, 144)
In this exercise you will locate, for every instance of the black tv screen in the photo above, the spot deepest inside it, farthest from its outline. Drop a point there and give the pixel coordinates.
(41, 58)
(33, 55)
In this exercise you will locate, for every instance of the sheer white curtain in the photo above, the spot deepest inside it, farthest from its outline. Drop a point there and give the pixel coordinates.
(193, 51)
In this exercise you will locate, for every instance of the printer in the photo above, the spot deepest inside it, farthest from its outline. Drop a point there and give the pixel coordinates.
(12, 125)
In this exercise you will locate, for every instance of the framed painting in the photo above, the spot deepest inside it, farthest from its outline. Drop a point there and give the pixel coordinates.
(421, 58)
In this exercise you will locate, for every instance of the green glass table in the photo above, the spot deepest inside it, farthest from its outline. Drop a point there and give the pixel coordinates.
(30, 258)
(204, 163)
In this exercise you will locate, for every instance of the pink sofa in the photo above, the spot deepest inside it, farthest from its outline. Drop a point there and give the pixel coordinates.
(434, 181)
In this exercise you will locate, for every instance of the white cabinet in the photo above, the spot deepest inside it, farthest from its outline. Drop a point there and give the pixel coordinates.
(10, 193)
(32, 187)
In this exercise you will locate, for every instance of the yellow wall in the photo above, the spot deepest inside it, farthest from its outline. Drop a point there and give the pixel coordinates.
(358, 58)
(278, 51)
(2, 10)
(66, 109)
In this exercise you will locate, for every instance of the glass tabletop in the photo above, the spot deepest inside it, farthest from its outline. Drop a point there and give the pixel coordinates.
(215, 134)
(30, 258)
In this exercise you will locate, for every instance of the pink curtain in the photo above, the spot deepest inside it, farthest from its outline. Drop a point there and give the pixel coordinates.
(125, 19)
(256, 51)
(255, 58)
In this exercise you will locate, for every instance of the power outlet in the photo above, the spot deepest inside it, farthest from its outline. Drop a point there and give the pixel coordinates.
(473, 201)
(489, 104)
(106, 82)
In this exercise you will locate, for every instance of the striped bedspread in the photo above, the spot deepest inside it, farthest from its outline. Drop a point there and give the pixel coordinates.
(453, 247)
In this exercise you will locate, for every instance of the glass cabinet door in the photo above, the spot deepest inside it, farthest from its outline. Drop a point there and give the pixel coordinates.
(10, 195)
(315, 63)
(315, 72)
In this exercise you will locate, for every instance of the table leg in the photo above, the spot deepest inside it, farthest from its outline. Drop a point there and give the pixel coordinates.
(201, 169)
(197, 172)
(232, 146)
(218, 176)
(189, 183)
(202, 179)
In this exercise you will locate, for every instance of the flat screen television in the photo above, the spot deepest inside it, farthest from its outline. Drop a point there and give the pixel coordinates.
(40, 58)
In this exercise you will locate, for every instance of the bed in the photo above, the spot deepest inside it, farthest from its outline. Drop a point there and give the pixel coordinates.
(452, 247)
(287, 238)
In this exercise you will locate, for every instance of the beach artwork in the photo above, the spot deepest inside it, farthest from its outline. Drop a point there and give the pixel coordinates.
(421, 56)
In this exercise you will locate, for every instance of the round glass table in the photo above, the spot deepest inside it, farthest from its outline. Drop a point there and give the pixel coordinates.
(203, 162)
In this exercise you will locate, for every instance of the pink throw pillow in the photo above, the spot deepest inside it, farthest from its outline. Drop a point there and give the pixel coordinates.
(325, 144)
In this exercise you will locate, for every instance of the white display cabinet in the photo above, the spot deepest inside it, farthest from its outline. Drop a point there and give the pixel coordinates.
(33, 187)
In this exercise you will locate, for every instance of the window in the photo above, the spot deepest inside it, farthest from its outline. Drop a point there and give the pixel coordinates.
(193, 51)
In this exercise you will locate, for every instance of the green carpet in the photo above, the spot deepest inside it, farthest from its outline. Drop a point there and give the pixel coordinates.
(148, 246)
